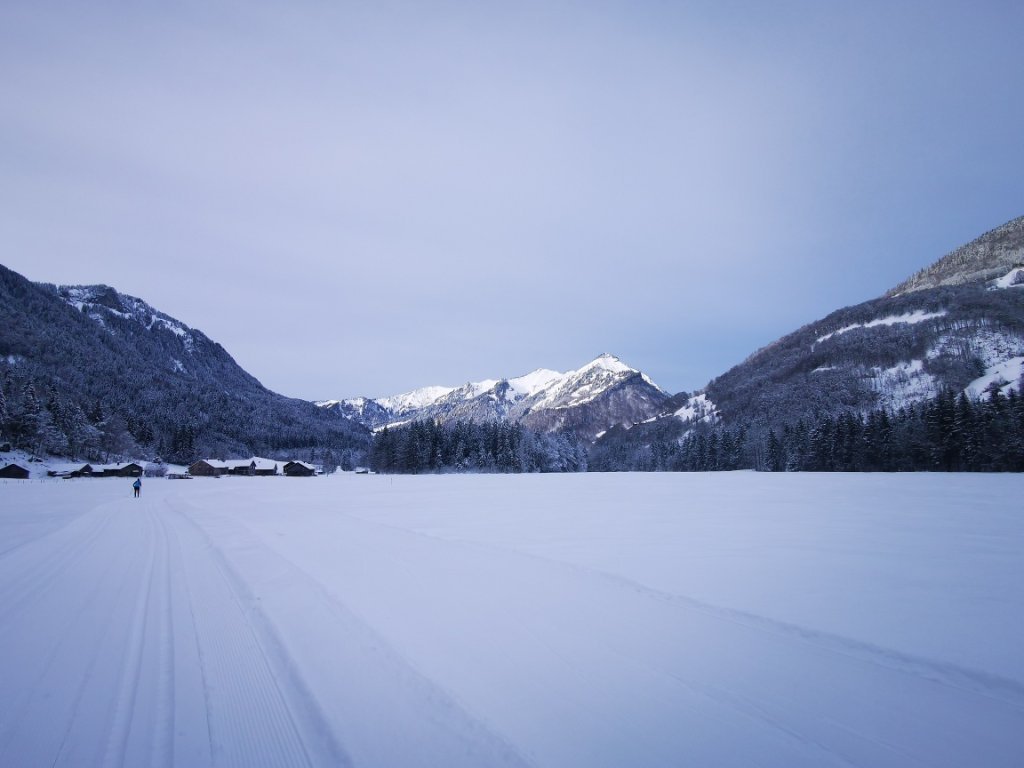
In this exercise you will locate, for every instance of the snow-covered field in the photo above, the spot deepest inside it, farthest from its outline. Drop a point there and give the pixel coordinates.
(561, 620)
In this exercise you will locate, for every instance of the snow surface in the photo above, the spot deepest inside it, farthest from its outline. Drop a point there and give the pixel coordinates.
(607, 362)
(533, 382)
(917, 316)
(732, 619)
(1007, 374)
(903, 384)
(418, 398)
(1011, 279)
(699, 408)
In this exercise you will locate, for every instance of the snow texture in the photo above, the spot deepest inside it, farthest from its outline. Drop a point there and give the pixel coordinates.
(1006, 375)
(1013, 278)
(910, 318)
(698, 408)
(595, 620)
(903, 384)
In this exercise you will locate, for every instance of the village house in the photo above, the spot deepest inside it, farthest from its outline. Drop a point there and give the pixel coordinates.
(14, 472)
(70, 470)
(208, 468)
(254, 467)
(299, 469)
(130, 469)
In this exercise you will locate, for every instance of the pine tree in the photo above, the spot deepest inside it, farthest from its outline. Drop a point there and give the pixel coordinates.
(3, 413)
(774, 457)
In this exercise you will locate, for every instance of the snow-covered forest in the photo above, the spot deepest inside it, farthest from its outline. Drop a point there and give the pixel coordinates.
(429, 446)
(948, 433)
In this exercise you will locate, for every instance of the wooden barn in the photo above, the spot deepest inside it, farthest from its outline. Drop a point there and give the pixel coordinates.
(71, 470)
(208, 468)
(299, 469)
(14, 472)
(118, 470)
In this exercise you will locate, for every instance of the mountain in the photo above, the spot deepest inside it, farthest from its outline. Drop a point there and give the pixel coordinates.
(956, 326)
(87, 371)
(584, 402)
(995, 255)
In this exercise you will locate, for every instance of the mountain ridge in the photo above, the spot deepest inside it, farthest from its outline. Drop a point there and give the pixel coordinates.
(990, 256)
(585, 401)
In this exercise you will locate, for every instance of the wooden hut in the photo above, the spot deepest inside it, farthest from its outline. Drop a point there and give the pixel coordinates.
(208, 468)
(242, 468)
(299, 469)
(14, 472)
(70, 470)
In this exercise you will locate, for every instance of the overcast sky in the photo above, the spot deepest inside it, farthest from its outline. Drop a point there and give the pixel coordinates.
(364, 198)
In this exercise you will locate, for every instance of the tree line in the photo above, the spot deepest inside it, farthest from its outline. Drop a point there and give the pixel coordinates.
(947, 433)
(432, 446)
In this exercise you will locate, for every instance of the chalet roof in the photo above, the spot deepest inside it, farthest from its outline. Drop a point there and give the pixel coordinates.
(72, 466)
(215, 463)
(261, 463)
(111, 467)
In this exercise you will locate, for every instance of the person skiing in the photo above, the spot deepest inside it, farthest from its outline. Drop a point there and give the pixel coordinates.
(137, 485)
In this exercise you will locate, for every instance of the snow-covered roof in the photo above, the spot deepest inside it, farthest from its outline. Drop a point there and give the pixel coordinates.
(110, 467)
(216, 463)
(261, 463)
(68, 466)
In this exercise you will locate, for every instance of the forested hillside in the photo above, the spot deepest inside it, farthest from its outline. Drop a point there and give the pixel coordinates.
(90, 373)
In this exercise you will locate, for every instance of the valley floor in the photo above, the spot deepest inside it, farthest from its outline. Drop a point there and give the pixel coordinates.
(559, 620)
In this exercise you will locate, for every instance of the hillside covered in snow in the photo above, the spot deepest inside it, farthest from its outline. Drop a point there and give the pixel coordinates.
(956, 327)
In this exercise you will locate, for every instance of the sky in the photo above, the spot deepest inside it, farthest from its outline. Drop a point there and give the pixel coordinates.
(359, 199)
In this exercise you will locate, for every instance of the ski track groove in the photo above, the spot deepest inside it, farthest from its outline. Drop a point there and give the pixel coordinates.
(202, 662)
(59, 641)
(161, 752)
(131, 667)
(36, 578)
(30, 539)
(344, 613)
(1002, 689)
(98, 650)
(261, 717)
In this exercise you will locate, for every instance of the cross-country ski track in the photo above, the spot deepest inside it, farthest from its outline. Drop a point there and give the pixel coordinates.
(460, 622)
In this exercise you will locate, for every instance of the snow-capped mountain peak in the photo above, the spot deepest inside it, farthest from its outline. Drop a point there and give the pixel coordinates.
(529, 398)
(531, 383)
(417, 398)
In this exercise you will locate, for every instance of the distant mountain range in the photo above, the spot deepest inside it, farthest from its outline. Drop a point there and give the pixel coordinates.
(585, 402)
(85, 370)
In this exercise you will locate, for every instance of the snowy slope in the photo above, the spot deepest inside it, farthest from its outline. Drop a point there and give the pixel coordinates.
(559, 620)
(955, 322)
(100, 301)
